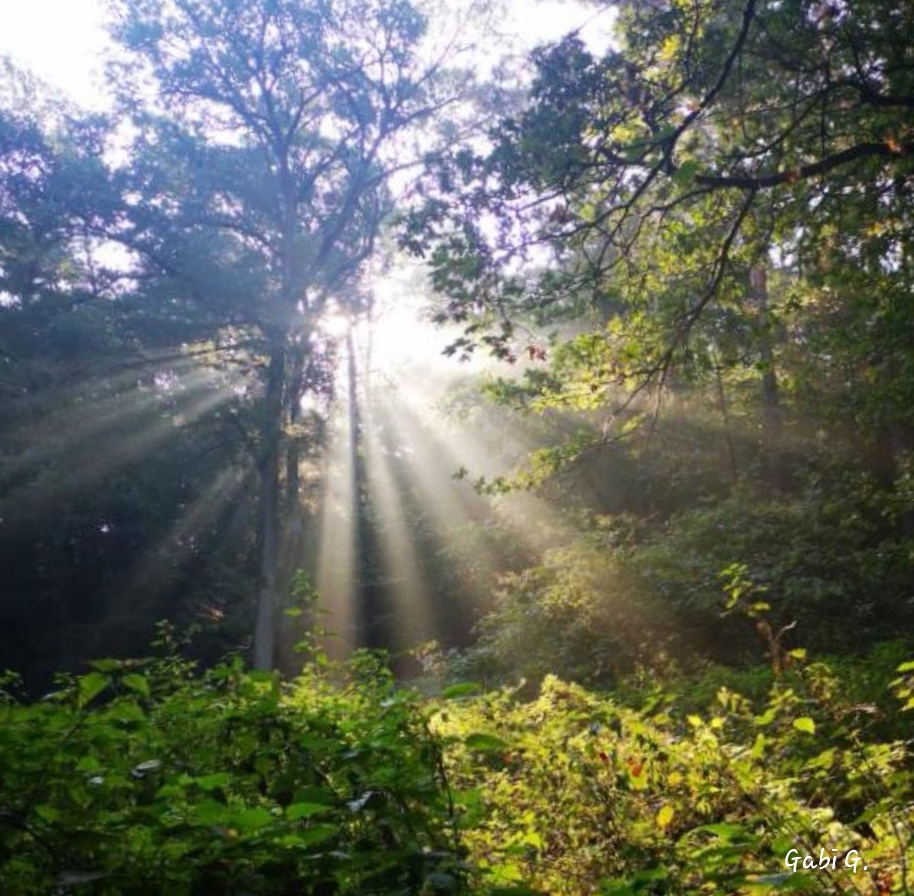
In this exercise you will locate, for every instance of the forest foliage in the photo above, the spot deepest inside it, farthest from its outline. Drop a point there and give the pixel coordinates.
(147, 776)
(690, 253)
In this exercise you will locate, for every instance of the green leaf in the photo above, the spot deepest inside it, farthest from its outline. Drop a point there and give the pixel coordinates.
(126, 711)
(683, 175)
(805, 724)
(49, 814)
(211, 812)
(211, 782)
(106, 665)
(251, 819)
(90, 686)
(304, 810)
(532, 838)
(484, 743)
(319, 795)
(463, 689)
(317, 833)
(137, 683)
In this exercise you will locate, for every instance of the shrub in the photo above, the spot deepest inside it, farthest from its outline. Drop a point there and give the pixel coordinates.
(143, 779)
(574, 794)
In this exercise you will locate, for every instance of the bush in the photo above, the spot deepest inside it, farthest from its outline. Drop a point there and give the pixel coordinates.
(829, 563)
(574, 794)
(143, 779)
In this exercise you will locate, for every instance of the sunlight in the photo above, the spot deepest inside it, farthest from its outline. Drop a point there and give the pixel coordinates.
(603, 585)
(62, 42)
(99, 439)
(335, 323)
(407, 618)
(391, 459)
(178, 547)
(69, 56)
(390, 505)
(336, 560)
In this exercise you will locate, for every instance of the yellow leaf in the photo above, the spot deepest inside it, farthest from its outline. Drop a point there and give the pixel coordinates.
(805, 724)
(665, 817)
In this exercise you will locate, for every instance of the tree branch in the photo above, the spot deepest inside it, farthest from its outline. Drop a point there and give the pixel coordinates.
(886, 150)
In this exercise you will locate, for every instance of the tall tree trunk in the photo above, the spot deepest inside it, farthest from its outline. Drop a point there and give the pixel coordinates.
(268, 473)
(264, 654)
(370, 590)
(725, 414)
(772, 424)
(293, 451)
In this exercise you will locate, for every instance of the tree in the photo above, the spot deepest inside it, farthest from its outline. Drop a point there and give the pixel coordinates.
(102, 530)
(259, 184)
(713, 142)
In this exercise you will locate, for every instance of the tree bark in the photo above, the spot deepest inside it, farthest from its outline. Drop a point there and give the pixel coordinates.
(272, 424)
(268, 473)
(772, 424)
(725, 414)
(293, 451)
(371, 597)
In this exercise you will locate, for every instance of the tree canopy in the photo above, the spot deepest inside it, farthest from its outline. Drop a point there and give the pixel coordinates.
(260, 170)
(692, 246)
(713, 140)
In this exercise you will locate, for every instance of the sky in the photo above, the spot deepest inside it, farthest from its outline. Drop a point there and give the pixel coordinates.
(62, 41)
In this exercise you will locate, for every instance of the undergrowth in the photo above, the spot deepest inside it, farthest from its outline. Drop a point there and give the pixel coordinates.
(148, 777)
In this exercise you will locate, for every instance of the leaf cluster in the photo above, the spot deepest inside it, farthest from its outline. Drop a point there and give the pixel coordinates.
(573, 793)
(142, 777)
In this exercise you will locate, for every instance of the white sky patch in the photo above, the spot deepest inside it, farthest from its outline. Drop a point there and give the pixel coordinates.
(64, 42)
(543, 21)
(60, 41)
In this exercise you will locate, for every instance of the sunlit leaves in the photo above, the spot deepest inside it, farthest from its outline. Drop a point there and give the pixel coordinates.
(90, 686)
(707, 141)
(805, 724)
(563, 804)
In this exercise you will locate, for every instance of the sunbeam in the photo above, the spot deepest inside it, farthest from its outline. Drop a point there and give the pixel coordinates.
(395, 522)
(335, 577)
(180, 544)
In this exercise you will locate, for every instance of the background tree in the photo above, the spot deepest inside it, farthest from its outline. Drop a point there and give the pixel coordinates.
(266, 150)
(693, 249)
(103, 531)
